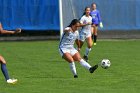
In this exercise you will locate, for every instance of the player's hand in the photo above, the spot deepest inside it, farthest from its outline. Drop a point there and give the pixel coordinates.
(101, 25)
(93, 25)
(79, 49)
(89, 23)
(18, 30)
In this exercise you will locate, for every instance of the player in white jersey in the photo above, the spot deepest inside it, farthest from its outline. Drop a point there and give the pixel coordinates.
(2, 60)
(67, 50)
(85, 33)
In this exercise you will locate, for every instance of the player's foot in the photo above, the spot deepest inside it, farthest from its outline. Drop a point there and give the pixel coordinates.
(92, 69)
(18, 30)
(12, 81)
(95, 44)
(75, 76)
(85, 58)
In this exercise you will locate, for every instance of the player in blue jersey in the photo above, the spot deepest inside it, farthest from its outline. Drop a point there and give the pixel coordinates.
(2, 60)
(96, 21)
(67, 50)
(85, 33)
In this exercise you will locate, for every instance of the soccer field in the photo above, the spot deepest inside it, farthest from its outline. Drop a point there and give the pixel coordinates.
(39, 68)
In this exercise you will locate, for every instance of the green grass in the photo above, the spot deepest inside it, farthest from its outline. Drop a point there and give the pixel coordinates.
(40, 69)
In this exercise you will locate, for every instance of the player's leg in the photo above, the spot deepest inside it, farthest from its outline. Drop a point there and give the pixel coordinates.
(68, 58)
(81, 43)
(3, 68)
(82, 38)
(78, 58)
(89, 45)
(95, 34)
(5, 71)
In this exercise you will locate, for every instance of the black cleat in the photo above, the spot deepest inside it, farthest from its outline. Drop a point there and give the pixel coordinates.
(85, 58)
(75, 76)
(92, 69)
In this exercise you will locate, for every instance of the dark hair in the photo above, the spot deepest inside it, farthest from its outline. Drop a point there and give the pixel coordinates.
(93, 3)
(73, 22)
(85, 10)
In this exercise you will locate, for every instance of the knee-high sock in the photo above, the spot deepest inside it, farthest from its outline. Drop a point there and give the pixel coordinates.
(73, 68)
(87, 51)
(85, 64)
(95, 38)
(4, 71)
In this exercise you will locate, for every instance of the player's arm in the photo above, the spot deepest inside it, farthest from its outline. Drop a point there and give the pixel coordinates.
(99, 17)
(78, 44)
(2, 31)
(10, 32)
(83, 23)
(77, 41)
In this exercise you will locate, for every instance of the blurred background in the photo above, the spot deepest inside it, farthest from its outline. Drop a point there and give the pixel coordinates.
(40, 19)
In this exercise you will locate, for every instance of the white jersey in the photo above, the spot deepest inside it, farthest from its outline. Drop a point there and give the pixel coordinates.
(85, 20)
(68, 39)
(86, 30)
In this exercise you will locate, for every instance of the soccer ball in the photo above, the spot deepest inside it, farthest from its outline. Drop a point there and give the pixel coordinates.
(105, 63)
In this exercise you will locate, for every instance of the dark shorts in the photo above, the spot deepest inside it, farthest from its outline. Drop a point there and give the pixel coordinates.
(96, 24)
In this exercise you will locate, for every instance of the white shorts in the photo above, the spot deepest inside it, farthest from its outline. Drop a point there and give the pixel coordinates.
(84, 35)
(72, 51)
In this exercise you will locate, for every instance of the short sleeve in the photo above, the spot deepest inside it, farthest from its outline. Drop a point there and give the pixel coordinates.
(82, 20)
(67, 28)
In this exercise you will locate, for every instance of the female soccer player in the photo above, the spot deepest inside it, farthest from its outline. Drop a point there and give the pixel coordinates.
(85, 33)
(2, 60)
(96, 20)
(67, 50)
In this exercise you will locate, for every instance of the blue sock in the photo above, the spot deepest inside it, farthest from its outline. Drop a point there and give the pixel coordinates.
(4, 71)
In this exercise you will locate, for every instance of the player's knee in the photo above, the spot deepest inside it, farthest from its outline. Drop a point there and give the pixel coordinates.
(95, 33)
(78, 59)
(90, 45)
(3, 62)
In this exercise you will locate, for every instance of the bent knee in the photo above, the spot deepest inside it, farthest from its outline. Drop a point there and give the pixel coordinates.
(90, 45)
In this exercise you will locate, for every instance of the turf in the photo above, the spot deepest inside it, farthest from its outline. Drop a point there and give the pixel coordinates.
(39, 68)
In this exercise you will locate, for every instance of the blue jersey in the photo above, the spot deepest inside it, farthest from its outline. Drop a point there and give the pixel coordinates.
(96, 19)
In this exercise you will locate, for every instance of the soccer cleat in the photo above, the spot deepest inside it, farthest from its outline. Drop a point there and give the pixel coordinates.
(92, 69)
(85, 58)
(12, 81)
(75, 76)
(95, 44)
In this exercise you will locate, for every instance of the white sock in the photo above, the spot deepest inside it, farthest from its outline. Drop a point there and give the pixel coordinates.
(73, 68)
(85, 64)
(87, 51)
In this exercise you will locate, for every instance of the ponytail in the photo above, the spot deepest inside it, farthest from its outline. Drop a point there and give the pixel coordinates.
(73, 22)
